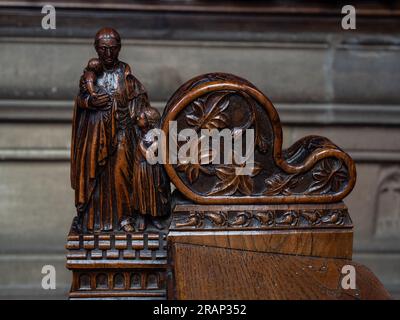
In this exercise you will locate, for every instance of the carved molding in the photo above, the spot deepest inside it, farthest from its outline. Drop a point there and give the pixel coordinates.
(119, 283)
(128, 248)
(261, 218)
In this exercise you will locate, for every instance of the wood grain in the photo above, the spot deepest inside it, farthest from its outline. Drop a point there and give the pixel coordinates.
(332, 244)
(216, 273)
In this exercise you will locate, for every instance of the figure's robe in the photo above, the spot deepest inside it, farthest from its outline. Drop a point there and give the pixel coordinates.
(152, 187)
(103, 144)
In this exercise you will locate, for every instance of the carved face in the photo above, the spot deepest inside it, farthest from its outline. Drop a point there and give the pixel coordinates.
(108, 51)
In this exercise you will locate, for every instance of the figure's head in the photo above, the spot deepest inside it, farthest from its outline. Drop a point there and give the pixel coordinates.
(107, 44)
(142, 121)
(153, 117)
(94, 65)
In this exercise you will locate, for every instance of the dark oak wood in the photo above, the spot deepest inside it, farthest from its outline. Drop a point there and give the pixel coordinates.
(116, 246)
(313, 170)
(206, 272)
(280, 231)
(114, 186)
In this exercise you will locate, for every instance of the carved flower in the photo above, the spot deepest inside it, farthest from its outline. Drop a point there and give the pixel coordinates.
(329, 176)
(231, 181)
(209, 114)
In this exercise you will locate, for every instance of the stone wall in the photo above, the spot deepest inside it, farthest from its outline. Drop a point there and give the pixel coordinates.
(322, 80)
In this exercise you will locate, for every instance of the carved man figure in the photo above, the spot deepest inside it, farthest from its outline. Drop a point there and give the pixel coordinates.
(104, 140)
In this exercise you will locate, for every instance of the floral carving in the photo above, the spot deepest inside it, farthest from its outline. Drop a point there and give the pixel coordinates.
(312, 170)
(334, 217)
(313, 217)
(193, 220)
(209, 113)
(281, 185)
(193, 169)
(301, 218)
(231, 181)
(196, 219)
(217, 218)
(328, 176)
(265, 218)
(289, 218)
(242, 219)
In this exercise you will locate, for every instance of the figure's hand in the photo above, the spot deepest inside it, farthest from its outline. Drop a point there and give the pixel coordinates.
(99, 101)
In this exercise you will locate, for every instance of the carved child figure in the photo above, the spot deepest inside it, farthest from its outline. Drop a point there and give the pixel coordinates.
(92, 70)
(152, 189)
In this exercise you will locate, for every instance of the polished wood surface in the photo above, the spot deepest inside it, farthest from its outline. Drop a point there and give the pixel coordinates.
(116, 245)
(313, 170)
(206, 272)
(279, 231)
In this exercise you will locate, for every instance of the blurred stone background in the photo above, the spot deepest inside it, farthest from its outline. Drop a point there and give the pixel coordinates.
(323, 80)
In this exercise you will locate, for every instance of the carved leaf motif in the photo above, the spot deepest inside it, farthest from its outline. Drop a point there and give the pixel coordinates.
(288, 218)
(242, 219)
(232, 182)
(329, 176)
(194, 220)
(281, 185)
(209, 114)
(192, 170)
(265, 218)
(313, 216)
(225, 187)
(334, 217)
(218, 219)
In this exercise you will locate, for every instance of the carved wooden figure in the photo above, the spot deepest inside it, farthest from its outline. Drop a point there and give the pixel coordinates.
(107, 257)
(152, 188)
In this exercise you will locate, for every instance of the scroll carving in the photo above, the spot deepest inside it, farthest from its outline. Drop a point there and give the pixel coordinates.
(313, 170)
